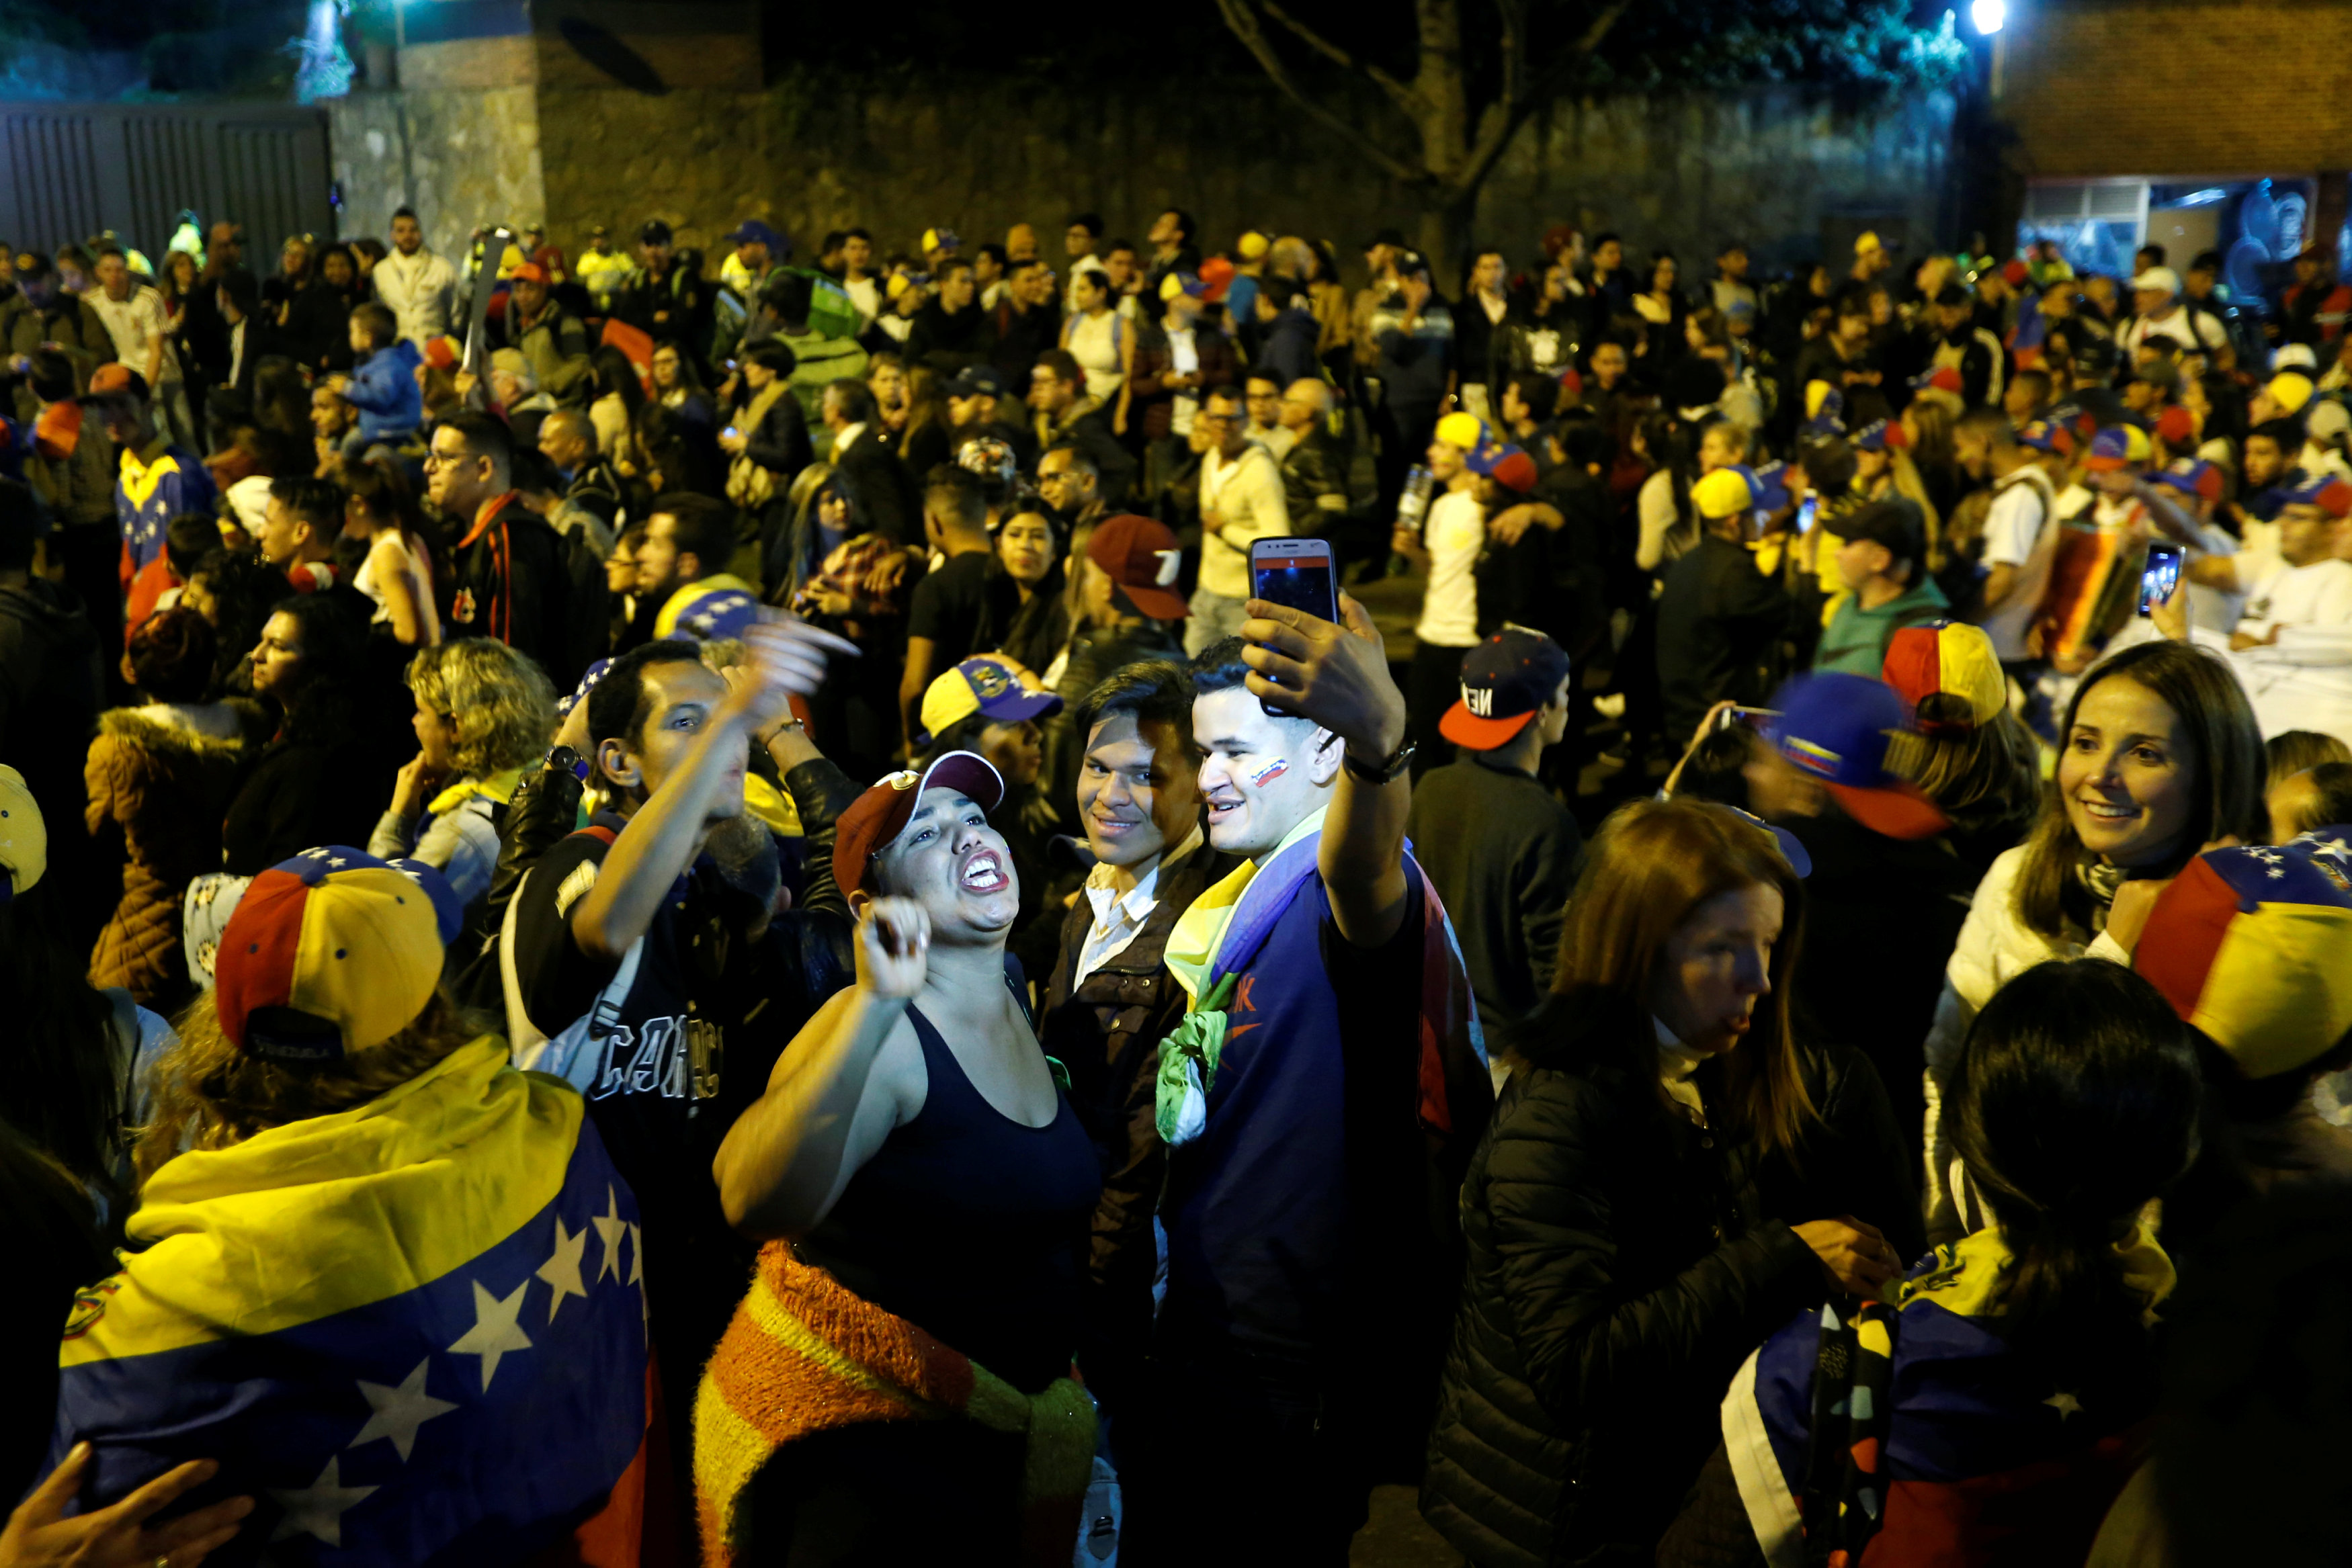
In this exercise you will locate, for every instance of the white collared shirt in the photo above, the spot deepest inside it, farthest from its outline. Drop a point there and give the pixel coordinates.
(1120, 916)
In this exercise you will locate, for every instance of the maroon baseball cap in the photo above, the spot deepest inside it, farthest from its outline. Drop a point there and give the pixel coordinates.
(877, 818)
(1143, 557)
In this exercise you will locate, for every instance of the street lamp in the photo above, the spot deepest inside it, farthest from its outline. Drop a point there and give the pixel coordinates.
(1988, 15)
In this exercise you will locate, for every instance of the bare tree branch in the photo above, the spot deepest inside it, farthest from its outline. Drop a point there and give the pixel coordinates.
(1242, 17)
(1402, 94)
(1503, 119)
(1513, 15)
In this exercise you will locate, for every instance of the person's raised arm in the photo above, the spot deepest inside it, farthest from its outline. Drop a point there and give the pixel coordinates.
(658, 844)
(835, 1094)
(1339, 677)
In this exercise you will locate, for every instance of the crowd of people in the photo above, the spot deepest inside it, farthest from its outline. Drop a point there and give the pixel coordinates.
(1844, 909)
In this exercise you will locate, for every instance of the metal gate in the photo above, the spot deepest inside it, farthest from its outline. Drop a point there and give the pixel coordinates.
(68, 170)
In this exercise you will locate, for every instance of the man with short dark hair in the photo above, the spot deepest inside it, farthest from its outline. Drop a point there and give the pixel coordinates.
(682, 568)
(1172, 250)
(594, 494)
(1026, 323)
(951, 330)
(857, 277)
(507, 565)
(1111, 998)
(1081, 243)
(1068, 414)
(646, 958)
(876, 475)
(1262, 403)
(1067, 478)
(960, 595)
(300, 524)
(420, 288)
(1307, 1205)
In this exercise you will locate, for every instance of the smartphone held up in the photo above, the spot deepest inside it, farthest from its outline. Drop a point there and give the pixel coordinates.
(1298, 574)
(2160, 577)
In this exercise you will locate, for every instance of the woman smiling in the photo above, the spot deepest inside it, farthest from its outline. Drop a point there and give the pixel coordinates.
(2159, 756)
(930, 1202)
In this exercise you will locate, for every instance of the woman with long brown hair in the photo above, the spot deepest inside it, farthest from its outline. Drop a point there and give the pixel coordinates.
(1671, 1173)
(2158, 756)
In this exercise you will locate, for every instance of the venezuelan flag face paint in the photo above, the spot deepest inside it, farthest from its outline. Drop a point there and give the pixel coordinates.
(1270, 772)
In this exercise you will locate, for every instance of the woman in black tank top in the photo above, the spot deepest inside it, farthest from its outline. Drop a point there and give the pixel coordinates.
(913, 1143)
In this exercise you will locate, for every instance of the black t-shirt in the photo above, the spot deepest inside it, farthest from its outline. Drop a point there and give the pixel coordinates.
(960, 598)
(697, 967)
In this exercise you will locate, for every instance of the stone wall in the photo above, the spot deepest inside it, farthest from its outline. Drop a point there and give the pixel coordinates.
(587, 112)
(900, 156)
(461, 156)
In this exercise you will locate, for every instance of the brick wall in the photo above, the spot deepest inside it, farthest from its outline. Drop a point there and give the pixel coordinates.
(2176, 87)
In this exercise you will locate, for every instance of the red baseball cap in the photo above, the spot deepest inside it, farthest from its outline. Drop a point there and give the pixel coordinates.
(528, 272)
(1143, 557)
(876, 819)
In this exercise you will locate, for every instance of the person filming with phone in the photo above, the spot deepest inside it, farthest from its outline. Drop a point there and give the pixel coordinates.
(1306, 1216)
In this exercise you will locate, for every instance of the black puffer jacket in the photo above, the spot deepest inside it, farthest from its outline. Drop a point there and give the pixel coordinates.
(1621, 1264)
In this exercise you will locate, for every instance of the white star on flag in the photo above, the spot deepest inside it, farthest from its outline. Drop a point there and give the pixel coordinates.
(398, 1412)
(494, 1332)
(561, 1271)
(609, 1225)
(319, 1508)
(2066, 1403)
(637, 1257)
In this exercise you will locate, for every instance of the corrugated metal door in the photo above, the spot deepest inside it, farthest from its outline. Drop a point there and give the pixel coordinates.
(69, 170)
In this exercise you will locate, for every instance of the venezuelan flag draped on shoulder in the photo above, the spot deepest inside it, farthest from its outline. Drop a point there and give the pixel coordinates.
(414, 1330)
(1911, 1433)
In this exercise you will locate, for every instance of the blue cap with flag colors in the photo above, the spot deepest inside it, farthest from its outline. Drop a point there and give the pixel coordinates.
(989, 684)
(2331, 493)
(330, 952)
(723, 612)
(1771, 485)
(2192, 475)
(1844, 730)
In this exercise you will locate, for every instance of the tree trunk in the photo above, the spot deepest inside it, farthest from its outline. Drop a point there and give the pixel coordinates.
(1448, 218)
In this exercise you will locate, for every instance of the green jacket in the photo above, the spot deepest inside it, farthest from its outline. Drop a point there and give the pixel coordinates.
(817, 362)
(1855, 643)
